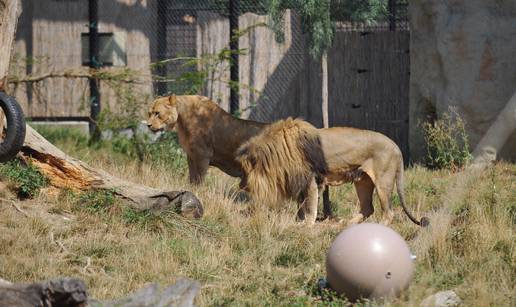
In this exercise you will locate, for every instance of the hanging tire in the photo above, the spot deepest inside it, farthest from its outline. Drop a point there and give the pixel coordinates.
(15, 135)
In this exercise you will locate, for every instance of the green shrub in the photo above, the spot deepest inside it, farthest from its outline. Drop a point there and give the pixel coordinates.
(165, 150)
(96, 201)
(447, 142)
(132, 216)
(26, 178)
(60, 134)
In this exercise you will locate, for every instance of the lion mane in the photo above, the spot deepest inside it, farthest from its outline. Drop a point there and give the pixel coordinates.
(282, 160)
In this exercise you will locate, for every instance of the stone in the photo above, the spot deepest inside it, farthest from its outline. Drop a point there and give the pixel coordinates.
(180, 294)
(73, 292)
(442, 299)
(462, 55)
(59, 292)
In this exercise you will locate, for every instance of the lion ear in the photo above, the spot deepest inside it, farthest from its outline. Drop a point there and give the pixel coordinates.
(172, 99)
(253, 161)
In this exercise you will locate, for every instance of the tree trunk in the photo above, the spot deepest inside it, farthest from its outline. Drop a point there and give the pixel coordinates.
(9, 12)
(324, 64)
(64, 171)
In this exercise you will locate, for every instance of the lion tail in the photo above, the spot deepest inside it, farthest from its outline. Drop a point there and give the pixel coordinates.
(280, 162)
(399, 186)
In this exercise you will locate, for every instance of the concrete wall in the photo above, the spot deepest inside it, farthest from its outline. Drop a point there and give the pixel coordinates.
(463, 54)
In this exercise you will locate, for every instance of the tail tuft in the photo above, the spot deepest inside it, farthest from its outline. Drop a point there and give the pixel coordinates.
(424, 222)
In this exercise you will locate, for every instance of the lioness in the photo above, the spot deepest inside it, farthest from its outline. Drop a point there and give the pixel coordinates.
(208, 134)
(292, 159)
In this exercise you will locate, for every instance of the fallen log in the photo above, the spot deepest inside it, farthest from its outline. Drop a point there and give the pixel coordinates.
(64, 171)
(73, 292)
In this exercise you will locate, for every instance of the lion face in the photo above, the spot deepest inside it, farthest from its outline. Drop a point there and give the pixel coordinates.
(248, 163)
(163, 114)
(281, 162)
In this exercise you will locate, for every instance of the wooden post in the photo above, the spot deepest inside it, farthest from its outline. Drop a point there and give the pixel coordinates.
(9, 12)
(324, 64)
(326, 124)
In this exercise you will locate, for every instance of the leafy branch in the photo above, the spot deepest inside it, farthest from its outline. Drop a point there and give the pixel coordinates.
(318, 18)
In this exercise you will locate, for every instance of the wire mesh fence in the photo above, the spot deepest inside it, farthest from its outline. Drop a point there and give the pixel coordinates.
(197, 28)
(225, 49)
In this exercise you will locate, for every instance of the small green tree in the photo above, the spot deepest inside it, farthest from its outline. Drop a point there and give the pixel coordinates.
(318, 17)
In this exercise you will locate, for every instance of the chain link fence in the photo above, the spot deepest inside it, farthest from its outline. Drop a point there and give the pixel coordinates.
(197, 55)
(224, 49)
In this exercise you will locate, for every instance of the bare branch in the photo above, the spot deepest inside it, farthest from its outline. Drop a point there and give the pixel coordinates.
(124, 75)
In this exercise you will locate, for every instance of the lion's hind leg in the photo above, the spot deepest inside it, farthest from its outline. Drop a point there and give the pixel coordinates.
(384, 192)
(364, 187)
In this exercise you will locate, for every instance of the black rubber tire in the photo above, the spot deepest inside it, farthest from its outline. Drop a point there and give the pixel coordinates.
(15, 136)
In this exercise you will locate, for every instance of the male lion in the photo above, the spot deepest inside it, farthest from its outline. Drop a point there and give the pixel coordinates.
(207, 133)
(292, 159)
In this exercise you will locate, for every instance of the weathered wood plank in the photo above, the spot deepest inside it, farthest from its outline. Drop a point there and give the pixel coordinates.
(49, 40)
(369, 79)
(9, 12)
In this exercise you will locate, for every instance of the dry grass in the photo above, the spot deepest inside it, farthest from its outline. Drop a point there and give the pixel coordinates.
(263, 257)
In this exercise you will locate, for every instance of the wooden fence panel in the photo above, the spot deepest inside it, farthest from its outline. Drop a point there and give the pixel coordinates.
(369, 83)
(49, 40)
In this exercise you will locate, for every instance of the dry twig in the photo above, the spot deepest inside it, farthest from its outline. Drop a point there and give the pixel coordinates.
(13, 203)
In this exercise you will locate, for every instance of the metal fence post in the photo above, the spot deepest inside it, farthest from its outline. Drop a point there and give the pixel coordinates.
(392, 15)
(162, 45)
(94, 64)
(234, 105)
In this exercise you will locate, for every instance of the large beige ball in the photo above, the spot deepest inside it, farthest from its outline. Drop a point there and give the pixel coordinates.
(369, 261)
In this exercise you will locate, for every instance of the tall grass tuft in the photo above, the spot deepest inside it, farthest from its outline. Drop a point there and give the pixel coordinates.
(447, 142)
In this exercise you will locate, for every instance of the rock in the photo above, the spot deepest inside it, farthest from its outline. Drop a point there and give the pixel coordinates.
(182, 202)
(4, 282)
(180, 294)
(59, 292)
(442, 299)
(462, 55)
(73, 293)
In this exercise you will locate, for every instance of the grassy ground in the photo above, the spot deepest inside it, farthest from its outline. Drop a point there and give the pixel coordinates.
(252, 258)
